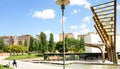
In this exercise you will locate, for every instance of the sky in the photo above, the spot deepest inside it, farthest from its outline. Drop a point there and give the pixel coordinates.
(19, 17)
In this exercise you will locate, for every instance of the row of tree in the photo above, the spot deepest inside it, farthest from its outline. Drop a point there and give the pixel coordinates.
(42, 46)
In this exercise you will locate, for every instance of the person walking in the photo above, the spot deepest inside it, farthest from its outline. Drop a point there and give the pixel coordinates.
(14, 63)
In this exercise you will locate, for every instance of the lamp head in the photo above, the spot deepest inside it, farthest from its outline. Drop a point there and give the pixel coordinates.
(62, 3)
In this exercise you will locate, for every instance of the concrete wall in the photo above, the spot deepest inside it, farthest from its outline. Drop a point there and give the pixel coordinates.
(94, 38)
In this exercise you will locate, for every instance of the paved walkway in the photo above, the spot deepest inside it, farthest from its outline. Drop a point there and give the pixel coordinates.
(31, 65)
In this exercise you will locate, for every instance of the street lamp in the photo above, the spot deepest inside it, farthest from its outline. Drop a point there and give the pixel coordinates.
(62, 4)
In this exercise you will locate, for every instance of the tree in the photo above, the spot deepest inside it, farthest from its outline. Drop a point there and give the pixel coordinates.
(43, 44)
(1, 43)
(59, 47)
(23, 49)
(39, 48)
(82, 44)
(66, 44)
(70, 44)
(31, 45)
(25, 43)
(43, 41)
(15, 49)
(36, 45)
(77, 46)
(51, 45)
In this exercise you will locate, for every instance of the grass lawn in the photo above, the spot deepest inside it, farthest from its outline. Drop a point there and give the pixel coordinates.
(25, 56)
(2, 67)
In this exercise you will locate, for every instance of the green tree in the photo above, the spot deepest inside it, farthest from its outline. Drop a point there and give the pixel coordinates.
(44, 44)
(23, 49)
(59, 47)
(82, 44)
(25, 43)
(39, 48)
(36, 45)
(16, 49)
(51, 45)
(66, 44)
(70, 44)
(31, 45)
(1, 43)
(77, 46)
(5, 48)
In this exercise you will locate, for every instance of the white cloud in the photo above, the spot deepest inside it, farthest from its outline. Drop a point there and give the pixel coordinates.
(118, 7)
(47, 32)
(76, 34)
(73, 27)
(84, 29)
(56, 38)
(86, 19)
(75, 11)
(45, 14)
(84, 3)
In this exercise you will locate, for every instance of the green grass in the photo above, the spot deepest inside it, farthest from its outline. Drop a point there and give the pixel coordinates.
(2, 67)
(17, 57)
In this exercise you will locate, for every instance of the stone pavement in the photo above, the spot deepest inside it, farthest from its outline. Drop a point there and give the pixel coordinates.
(47, 64)
(29, 65)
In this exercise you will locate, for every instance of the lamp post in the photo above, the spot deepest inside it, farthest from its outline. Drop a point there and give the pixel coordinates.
(62, 4)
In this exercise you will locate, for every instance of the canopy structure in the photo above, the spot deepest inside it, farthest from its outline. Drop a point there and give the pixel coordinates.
(105, 25)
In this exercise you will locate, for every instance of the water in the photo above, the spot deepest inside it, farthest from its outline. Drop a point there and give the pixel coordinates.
(84, 66)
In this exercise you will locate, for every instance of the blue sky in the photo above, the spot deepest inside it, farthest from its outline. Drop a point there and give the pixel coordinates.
(18, 17)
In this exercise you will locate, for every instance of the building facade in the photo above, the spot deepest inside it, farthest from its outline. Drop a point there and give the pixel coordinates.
(37, 37)
(8, 39)
(68, 35)
(80, 36)
(16, 39)
(93, 38)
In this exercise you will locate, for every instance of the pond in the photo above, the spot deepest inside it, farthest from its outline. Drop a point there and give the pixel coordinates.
(84, 66)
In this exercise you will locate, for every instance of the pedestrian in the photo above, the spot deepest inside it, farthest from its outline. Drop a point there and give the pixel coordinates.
(14, 63)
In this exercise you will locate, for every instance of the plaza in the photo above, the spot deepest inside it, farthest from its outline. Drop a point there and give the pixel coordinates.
(58, 64)
(87, 50)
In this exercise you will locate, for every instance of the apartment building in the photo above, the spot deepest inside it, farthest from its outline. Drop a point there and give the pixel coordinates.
(23, 38)
(68, 35)
(16, 39)
(8, 39)
(80, 36)
(37, 37)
